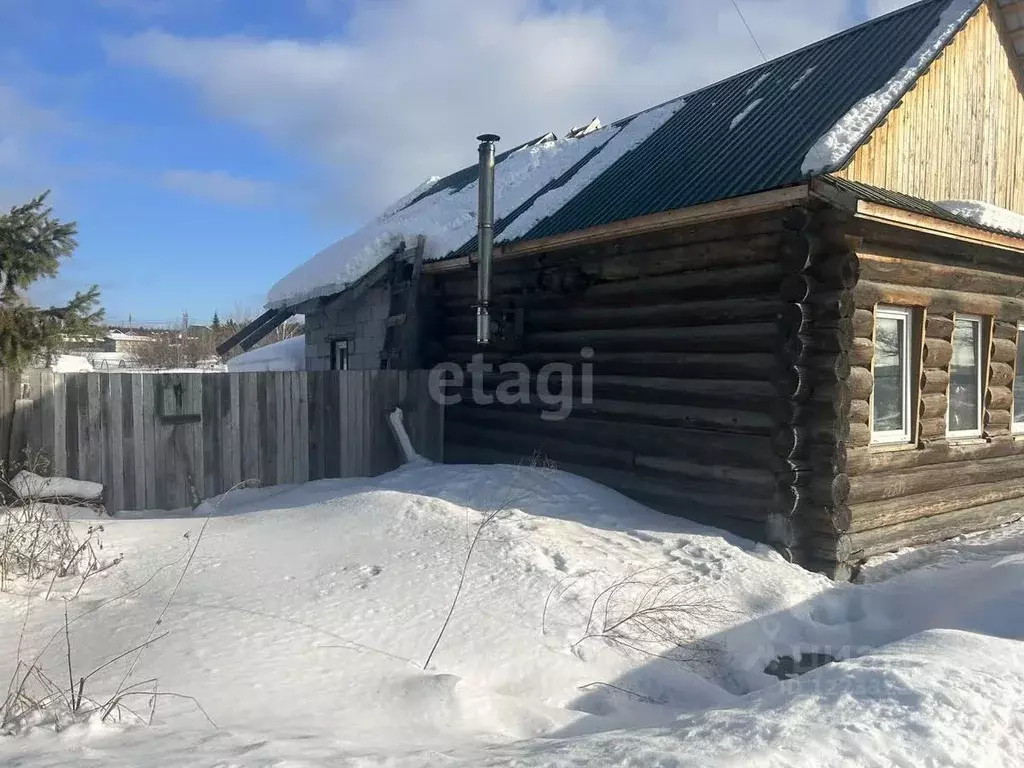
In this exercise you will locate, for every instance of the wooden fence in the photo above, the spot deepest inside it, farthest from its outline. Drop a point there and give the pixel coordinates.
(161, 441)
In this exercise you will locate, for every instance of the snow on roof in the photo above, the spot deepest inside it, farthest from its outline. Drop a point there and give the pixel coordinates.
(71, 364)
(986, 215)
(854, 126)
(122, 336)
(448, 217)
(286, 355)
(746, 111)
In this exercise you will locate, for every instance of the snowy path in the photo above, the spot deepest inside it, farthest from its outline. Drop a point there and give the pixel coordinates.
(308, 611)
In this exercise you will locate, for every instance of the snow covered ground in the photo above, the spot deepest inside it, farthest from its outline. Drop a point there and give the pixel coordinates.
(306, 615)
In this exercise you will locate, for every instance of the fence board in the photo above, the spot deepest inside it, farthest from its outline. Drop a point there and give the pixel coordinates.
(115, 465)
(231, 468)
(159, 441)
(60, 440)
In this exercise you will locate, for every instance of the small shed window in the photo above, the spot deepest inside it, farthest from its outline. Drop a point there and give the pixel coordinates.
(891, 368)
(964, 416)
(1018, 383)
(339, 355)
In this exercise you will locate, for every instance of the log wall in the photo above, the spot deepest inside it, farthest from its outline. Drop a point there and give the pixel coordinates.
(683, 326)
(938, 487)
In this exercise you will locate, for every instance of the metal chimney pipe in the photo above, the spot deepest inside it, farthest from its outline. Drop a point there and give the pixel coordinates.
(485, 238)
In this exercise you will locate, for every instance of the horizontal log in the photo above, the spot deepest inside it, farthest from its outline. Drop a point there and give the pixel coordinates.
(862, 352)
(1000, 375)
(947, 525)
(937, 353)
(837, 271)
(934, 381)
(868, 293)
(833, 548)
(952, 455)
(760, 483)
(1003, 351)
(801, 346)
(859, 412)
(938, 327)
(462, 320)
(747, 337)
(864, 323)
(861, 383)
(997, 420)
(755, 280)
(793, 382)
(802, 412)
(832, 305)
(932, 429)
(681, 258)
(1002, 329)
(697, 446)
(933, 406)
(684, 365)
(829, 365)
(918, 273)
(798, 288)
(999, 399)
(950, 497)
(797, 250)
(860, 435)
(892, 485)
(794, 319)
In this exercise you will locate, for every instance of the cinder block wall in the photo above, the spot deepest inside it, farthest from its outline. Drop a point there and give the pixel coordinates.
(360, 322)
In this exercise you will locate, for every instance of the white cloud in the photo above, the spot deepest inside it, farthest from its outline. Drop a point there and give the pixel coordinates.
(402, 95)
(218, 186)
(881, 7)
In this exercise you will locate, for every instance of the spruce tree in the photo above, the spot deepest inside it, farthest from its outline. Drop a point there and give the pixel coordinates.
(32, 245)
(215, 323)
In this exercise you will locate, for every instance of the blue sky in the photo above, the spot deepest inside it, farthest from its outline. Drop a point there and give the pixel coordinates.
(206, 147)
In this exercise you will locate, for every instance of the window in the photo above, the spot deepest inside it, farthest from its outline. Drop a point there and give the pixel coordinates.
(1018, 384)
(891, 368)
(339, 355)
(964, 416)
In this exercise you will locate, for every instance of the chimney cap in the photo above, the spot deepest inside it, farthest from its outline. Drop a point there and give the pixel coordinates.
(491, 137)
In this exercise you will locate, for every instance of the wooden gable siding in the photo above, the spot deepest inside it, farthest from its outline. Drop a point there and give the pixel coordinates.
(959, 134)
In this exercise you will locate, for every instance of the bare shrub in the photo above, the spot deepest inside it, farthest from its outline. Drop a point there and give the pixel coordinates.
(37, 540)
(650, 611)
(492, 512)
(35, 699)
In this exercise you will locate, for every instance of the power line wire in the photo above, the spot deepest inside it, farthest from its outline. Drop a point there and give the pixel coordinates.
(736, 5)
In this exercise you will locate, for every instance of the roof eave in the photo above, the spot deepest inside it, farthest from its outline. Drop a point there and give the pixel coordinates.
(918, 222)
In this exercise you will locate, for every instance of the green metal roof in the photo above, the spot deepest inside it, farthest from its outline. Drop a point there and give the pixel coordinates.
(698, 155)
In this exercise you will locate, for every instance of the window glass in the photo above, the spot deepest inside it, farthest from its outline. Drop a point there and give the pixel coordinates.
(889, 374)
(891, 367)
(1018, 385)
(965, 378)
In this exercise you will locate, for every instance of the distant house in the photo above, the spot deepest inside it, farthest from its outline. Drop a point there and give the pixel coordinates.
(799, 290)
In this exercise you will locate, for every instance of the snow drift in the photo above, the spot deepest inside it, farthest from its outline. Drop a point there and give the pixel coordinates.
(304, 619)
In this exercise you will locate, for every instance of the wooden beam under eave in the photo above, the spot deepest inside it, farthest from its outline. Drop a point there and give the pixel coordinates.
(939, 227)
(733, 207)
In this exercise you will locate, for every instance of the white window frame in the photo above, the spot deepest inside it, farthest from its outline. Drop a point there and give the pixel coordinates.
(980, 356)
(1016, 428)
(903, 435)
